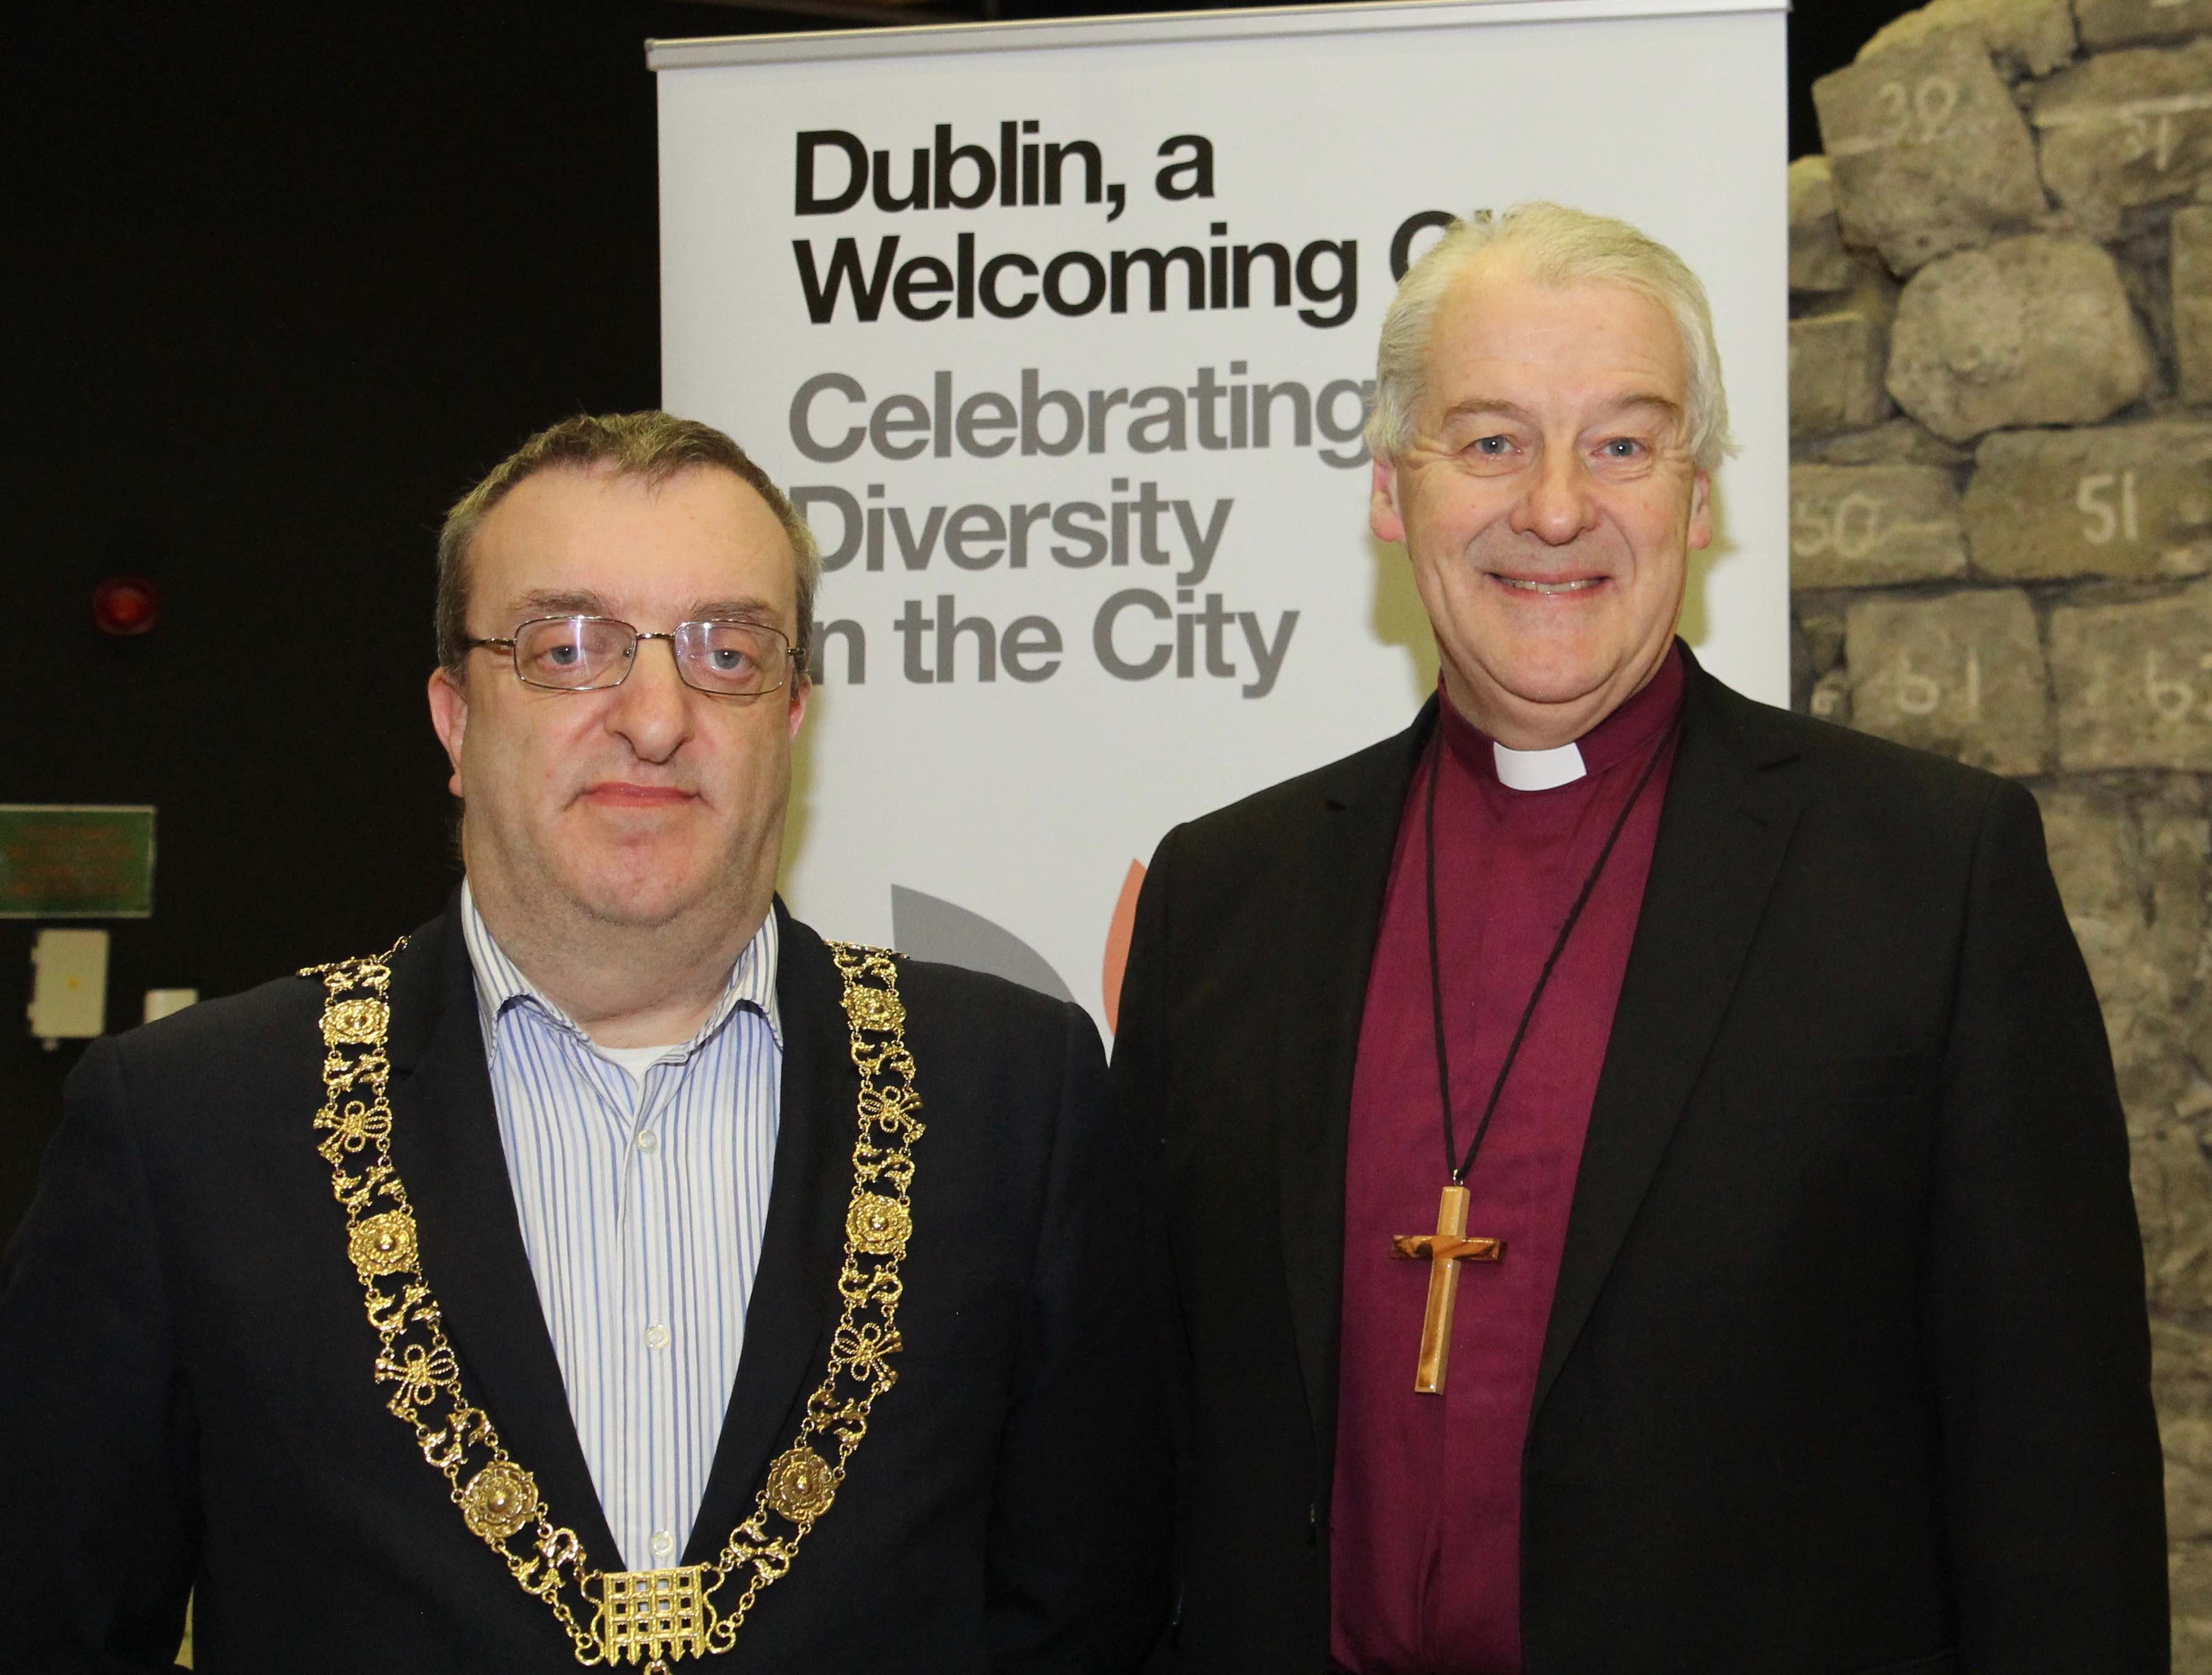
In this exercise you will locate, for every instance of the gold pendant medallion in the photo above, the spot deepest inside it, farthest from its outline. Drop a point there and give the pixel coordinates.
(652, 1616)
(656, 1617)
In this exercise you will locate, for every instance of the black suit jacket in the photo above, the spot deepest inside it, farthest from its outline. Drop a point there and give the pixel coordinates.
(187, 1401)
(1848, 1367)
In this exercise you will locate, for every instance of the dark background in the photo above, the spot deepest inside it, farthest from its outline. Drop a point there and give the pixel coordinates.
(282, 291)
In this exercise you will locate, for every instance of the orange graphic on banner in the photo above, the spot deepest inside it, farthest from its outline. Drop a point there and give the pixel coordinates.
(1117, 943)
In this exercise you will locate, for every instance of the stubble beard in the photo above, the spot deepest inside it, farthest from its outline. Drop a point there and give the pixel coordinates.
(587, 915)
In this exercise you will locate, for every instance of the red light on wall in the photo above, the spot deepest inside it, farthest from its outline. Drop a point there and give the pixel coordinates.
(125, 604)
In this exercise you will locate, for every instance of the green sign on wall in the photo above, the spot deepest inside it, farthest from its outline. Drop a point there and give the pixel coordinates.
(60, 860)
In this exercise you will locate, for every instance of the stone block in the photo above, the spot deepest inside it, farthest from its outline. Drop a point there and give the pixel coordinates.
(1873, 526)
(2134, 683)
(1928, 152)
(1873, 292)
(2174, 1202)
(1823, 632)
(1837, 366)
(2133, 882)
(1818, 261)
(1831, 698)
(2030, 331)
(2129, 501)
(2149, 1068)
(2095, 855)
(2026, 37)
(2126, 129)
(1898, 442)
(2181, 1367)
(1960, 674)
(2181, 1383)
(2107, 23)
(2176, 844)
(2189, 1579)
(2188, 1446)
(2192, 302)
(1837, 363)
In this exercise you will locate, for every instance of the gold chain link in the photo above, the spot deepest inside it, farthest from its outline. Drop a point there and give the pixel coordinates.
(661, 1616)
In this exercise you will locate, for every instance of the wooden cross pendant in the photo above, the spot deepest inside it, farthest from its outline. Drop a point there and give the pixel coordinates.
(1444, 1250)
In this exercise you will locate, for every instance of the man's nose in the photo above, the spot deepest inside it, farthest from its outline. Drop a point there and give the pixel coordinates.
(653, 706)
(1557, 506)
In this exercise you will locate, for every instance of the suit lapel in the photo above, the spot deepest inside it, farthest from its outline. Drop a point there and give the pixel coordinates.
(446, 1143)
(1331, 913)
(795, 1301)
(1721, 838)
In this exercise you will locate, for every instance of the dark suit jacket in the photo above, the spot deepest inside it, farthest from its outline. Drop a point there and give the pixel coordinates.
(1848, 1367)
(186, 1399)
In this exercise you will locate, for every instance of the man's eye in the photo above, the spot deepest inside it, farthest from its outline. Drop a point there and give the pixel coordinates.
(728, 660)
(564, 655)
(1621, 447)
(1493, 447)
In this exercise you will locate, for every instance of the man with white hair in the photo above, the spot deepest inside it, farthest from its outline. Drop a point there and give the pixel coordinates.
(1645, 1179)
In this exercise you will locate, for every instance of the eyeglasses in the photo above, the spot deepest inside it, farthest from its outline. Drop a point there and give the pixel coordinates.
(592, 654)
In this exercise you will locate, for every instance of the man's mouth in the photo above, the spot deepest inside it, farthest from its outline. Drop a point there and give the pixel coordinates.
(1530, 585)
(623, 793)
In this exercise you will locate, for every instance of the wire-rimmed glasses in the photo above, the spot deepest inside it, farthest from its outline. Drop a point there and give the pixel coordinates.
(592, 654)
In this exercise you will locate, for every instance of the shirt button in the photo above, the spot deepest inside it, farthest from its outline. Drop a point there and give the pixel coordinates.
(648, 1142)
(663, 1543)
(656, 1337)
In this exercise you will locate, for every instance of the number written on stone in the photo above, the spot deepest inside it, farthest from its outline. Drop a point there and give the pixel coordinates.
(2150, 134)
(1920, 112)
(2106, 501)
(2173, 698)
(1917, 694)
(1851, 529)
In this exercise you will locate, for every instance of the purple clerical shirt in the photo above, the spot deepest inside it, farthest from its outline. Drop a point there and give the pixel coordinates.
(1425, 1530)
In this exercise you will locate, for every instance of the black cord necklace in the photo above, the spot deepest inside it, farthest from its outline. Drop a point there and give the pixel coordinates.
(1456, 1165)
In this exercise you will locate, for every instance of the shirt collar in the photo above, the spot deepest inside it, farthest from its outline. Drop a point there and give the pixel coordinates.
(501, 987)
(1627, 734)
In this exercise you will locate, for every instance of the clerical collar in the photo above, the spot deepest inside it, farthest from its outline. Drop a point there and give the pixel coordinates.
(1537, 770)
(1626, 734)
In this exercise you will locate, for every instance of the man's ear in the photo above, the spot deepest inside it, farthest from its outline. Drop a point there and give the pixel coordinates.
(1701, 511)
(1384, 517)
(449, 717)
(801, 689)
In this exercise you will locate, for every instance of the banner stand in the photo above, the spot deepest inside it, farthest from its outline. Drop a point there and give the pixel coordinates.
(1062, 335)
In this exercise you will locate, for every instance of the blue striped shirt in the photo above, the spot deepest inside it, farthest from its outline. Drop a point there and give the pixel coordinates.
(642, 1210)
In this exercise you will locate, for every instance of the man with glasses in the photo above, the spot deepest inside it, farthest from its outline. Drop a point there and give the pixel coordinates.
(613, 1271)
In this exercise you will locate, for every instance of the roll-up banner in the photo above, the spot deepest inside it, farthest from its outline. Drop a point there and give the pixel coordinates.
(1062, 337)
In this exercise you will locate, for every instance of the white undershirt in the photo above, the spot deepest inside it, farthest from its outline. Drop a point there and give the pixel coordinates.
(636, 1060)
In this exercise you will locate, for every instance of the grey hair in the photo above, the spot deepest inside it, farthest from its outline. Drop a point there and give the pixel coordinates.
(653, 445)
(1552, 245)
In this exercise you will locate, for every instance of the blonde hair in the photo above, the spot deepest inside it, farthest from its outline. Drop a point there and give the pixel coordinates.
(1552, 245)
(653, 445)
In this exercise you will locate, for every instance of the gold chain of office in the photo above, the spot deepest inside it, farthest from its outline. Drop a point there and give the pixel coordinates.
(653, 1617)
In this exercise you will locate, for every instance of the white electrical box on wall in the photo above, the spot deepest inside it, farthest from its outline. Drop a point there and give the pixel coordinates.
(69, 990)
(161, 1003)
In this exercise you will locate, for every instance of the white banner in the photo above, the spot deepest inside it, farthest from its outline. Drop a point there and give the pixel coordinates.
(1062, 335)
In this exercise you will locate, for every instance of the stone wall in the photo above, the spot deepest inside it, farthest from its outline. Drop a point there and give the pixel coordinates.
(2001, 418)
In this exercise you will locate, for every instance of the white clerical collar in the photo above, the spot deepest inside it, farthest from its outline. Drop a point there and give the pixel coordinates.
(1538, 770)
